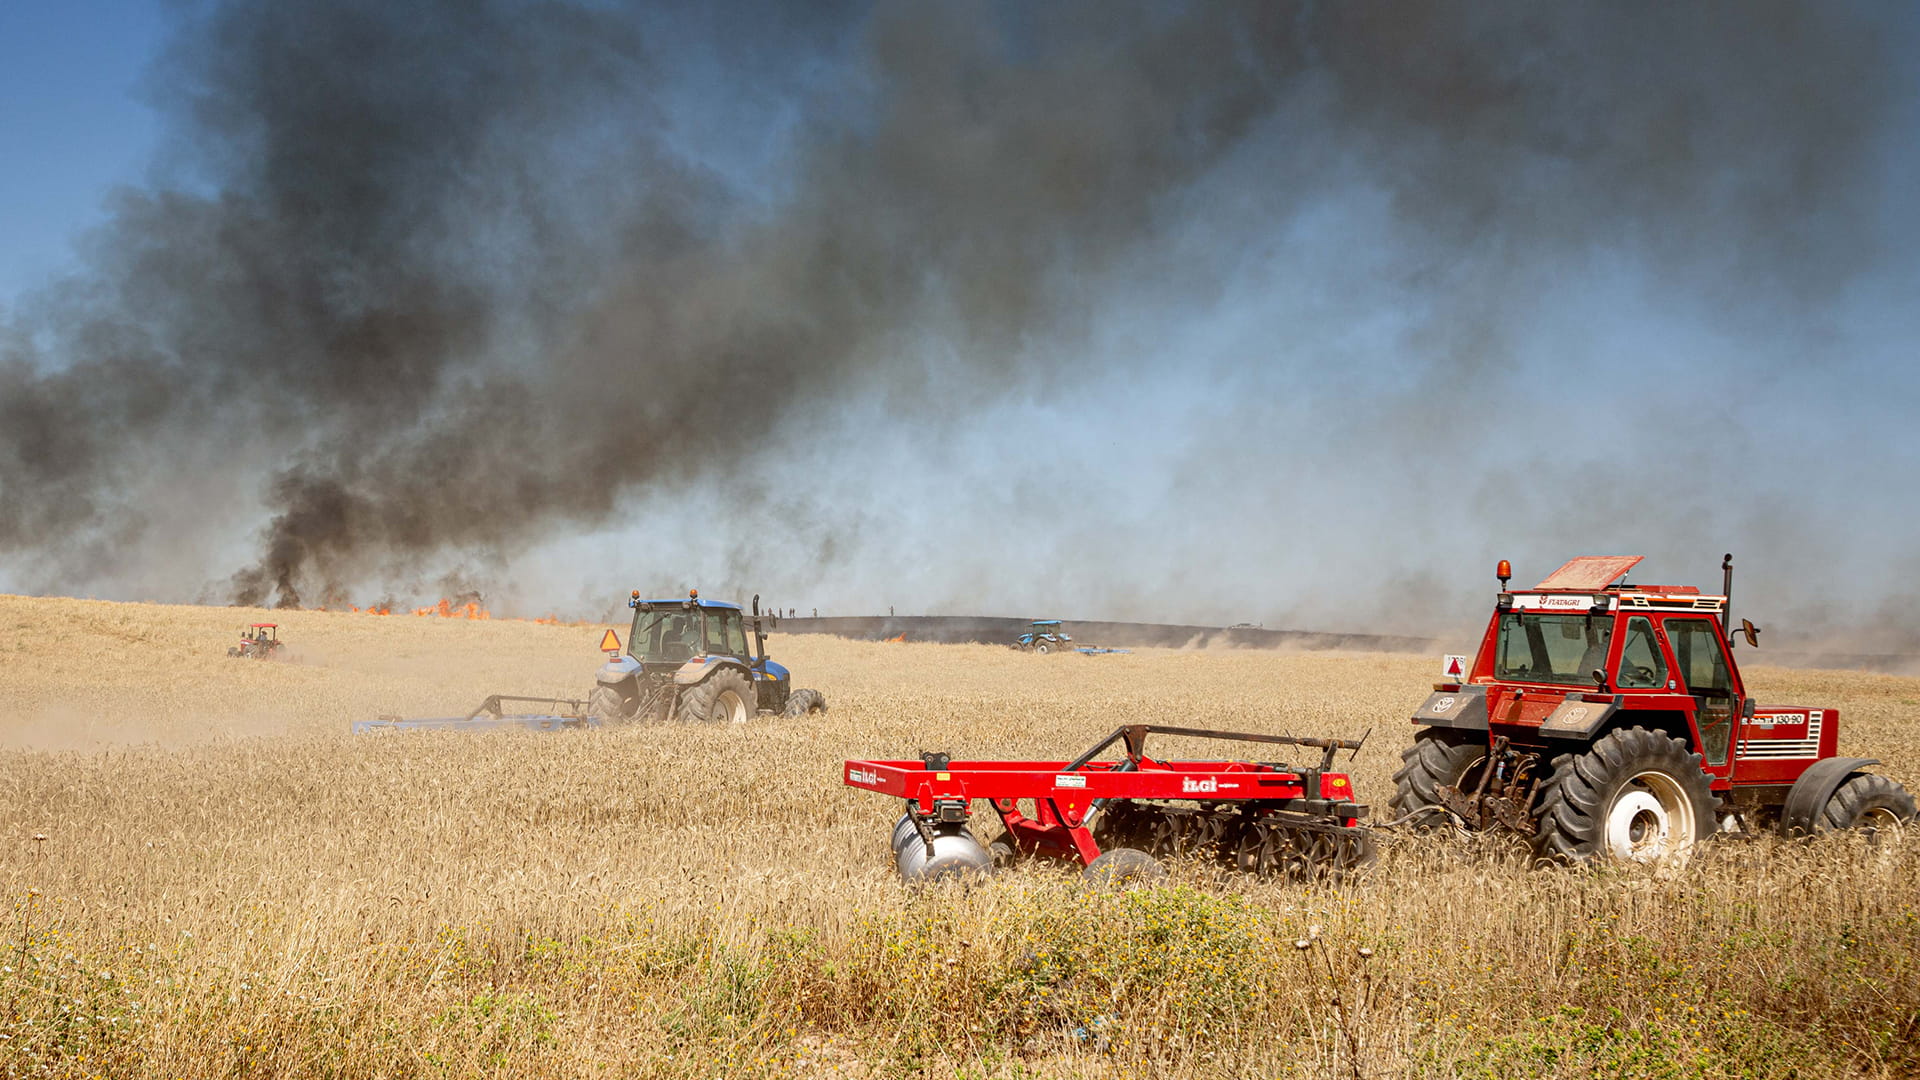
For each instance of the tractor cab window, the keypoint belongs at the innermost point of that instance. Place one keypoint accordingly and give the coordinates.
(667, 634)
(1641, 665)
(725, 633)
(1552, 648)
(1696, 649)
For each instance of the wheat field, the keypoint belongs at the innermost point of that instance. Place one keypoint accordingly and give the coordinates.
(206, 875)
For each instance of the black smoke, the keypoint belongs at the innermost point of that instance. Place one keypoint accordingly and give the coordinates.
(436, 280)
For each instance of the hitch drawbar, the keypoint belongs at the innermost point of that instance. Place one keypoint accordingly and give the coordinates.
(1265, 818)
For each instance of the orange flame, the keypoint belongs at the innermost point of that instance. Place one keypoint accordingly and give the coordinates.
(447, 609)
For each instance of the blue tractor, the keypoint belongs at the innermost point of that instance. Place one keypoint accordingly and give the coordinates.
(1044, 636)
(688, 659)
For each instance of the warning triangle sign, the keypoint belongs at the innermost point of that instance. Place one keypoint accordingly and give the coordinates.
(610, 642)
(1456, 665)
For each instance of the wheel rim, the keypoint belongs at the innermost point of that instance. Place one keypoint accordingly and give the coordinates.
(732, 709)
(1651, 818)
(1875, 818)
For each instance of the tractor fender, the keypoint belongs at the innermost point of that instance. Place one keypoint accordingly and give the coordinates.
(776, 672)
(617, 670)
(697, 670)
(1809, 794)
(1577, 719)
(1465, 708)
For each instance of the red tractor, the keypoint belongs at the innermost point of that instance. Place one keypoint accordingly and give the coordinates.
(1608, 721)
(260, 641)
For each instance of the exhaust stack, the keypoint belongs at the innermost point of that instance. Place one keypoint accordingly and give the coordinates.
(1726, 589)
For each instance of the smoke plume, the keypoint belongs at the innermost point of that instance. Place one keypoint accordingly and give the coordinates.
(424, 286)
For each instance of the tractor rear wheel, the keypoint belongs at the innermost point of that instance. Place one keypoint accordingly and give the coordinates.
(1439, 757)
(1868, 801)
(1634, 796)
(607, 704)
(724, 698)
(804, 701)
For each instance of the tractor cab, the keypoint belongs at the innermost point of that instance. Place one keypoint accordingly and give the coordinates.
(1583, 647)
(673, 631)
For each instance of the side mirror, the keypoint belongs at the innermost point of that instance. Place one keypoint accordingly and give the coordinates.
(1746, 711)
(1751, 633)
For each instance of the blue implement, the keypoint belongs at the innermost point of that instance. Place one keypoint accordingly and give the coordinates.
(490, 716)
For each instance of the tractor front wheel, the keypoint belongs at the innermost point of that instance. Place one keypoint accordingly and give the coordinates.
(722, 699)
(1634, 796)
(1439, 757)
(803, 702)
(1868, 801)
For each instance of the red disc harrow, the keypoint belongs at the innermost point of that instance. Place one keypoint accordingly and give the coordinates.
(1118, 817)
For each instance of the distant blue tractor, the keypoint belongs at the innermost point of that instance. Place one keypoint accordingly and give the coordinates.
(1045, 636)
(688, 659)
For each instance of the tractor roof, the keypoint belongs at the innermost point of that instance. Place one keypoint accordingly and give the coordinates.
(1602, 573)
(263, 626)
(1590, 573)
(1046, 622)
(697, 602)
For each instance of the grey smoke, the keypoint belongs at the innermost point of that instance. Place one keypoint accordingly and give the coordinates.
(436, 283)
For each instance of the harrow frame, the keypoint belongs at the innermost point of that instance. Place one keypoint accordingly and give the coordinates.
(489, 715)
(1067, 797)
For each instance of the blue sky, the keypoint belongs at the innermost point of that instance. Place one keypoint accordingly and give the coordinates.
(73, 124)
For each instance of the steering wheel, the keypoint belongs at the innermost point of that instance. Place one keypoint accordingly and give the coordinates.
(1643, 675)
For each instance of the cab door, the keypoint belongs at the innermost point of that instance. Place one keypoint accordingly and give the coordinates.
(1700, 662)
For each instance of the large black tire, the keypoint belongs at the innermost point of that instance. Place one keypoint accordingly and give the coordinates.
(608, 705)
(1634, 796)
(1439, 757)
(1123, 868)
(725, 697)
(1867, 801)
(804, 701)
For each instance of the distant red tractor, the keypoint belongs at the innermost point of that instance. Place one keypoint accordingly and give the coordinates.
(1608, 721)
(259, 641)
